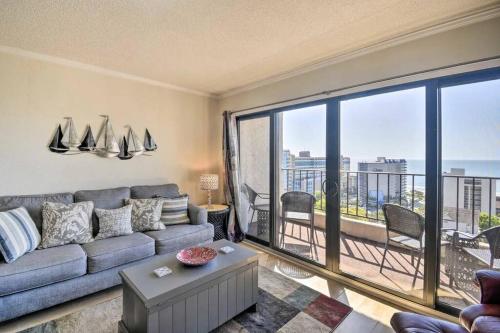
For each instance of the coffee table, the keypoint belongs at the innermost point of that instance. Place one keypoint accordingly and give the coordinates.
(191, 299)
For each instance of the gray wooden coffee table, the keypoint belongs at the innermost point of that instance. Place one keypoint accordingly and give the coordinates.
(191, 299)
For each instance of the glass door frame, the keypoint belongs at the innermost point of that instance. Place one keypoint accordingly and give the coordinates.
(440, 83)
(433, 178)
(246, 117)
(275, 171)
(432, 164)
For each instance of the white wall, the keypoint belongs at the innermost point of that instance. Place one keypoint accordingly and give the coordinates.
(36, 95)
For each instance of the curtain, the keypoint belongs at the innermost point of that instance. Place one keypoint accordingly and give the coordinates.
(237, 221)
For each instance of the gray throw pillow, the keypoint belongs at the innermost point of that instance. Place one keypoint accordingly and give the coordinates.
(175, 210)
(66, 223)
(114, 222)
(146, 214)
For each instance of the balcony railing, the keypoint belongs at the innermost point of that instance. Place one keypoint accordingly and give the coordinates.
(469, 202)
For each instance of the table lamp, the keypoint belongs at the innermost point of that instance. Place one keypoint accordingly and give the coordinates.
(209, 182)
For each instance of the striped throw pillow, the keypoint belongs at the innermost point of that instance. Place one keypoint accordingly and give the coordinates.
(18, 234)
(175, 210)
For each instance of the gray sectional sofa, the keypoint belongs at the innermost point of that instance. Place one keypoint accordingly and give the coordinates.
(44, 278)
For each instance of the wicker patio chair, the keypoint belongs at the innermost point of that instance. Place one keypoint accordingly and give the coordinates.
(485, 255)
(256, 201)
(406, 229)
(298, 208)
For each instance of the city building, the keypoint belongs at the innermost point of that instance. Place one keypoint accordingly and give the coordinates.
(464, 198)
(381, 179)
(305, 172)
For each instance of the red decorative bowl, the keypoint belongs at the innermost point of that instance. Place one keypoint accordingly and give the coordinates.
(196, 256)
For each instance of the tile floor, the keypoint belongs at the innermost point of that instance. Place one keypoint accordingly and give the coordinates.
(368, 315)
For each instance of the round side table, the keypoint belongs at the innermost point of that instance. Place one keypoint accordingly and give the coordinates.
(218, 215)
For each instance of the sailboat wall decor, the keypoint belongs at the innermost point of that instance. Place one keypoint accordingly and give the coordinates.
(124, 152)
(149, 142)
(70, 138)
(135, 147)
(56, 145)
(88, 142)
(105, 145)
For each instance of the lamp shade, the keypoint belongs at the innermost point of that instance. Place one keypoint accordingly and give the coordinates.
(209, 182)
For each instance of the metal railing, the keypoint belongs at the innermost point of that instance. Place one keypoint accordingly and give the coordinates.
(362, 194)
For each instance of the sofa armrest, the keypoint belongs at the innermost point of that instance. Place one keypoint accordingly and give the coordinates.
(197, 214)
(472, 312)
(489, 283)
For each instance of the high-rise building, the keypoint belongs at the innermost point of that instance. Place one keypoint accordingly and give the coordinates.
(381, 179)
(464, 198)
(305, 172)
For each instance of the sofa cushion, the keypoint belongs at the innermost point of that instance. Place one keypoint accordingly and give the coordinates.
(146, 214)
(152, 191)
(42, 267)
(105, 199)
(406, 322)
(469, 315)
(177, 237)
(483, 324)
(18, 234)
(175, 210)
(66, 223)
(114, 222)
(33, 204)
(111, 252)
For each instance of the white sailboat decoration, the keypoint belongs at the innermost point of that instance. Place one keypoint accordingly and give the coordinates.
(135, 147)
(70, 138)
(106, 144)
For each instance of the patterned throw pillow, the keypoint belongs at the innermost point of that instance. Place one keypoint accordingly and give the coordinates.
(114, 222)
(175, 210)
(146, 214)
(18, 234)
(65, 224)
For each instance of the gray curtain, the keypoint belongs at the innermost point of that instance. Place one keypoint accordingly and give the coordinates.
(237, 221)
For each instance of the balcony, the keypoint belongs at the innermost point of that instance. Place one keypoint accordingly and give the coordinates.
(363, 230)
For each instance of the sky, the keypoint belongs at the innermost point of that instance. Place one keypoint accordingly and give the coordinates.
(393, 125)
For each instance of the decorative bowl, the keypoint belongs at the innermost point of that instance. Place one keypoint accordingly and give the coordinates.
(196, 256)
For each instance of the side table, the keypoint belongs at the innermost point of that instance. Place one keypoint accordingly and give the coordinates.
(218, 215)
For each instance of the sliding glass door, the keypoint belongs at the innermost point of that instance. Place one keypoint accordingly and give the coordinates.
(382, 189)
(471, 188)
(396, 187)
(301, 204)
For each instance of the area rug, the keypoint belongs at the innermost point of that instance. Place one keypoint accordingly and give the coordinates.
(284, 305)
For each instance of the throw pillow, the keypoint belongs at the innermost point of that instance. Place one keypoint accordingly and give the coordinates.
(146, 214)
(114, 222)
(175, 210)
(18, 234)
(64, 224)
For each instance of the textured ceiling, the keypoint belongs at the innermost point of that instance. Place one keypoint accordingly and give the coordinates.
(212, 45)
